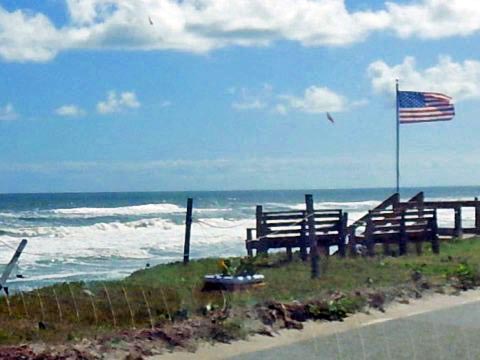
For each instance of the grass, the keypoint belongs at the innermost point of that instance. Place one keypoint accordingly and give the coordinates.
(171, 292)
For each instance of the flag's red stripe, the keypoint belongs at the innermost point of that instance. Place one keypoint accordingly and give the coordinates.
(423, 121)
(427, 118)
(433, 94)
(426, 109)
(431, 116)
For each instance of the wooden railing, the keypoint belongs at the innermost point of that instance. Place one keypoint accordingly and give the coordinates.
(457, 205)
(400, 226)
(289, 230)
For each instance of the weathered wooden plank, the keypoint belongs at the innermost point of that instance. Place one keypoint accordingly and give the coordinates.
(342, 233)
(449, 204)
(435, 242)
(300, 216)
(315, 270)
(298, 224)
(390, 201)
(477, 216)
(458, 222)
(303, 238)
(188, 227)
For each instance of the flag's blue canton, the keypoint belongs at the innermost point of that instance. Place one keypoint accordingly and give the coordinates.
(411, 99)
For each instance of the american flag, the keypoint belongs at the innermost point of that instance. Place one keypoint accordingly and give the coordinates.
(415, 107)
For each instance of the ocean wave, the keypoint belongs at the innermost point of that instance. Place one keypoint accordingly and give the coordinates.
(123, 210)
(129, 240)
(347, 205)
(65, 231)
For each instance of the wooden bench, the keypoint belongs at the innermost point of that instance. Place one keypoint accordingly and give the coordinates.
(398, 227)
(289, 230)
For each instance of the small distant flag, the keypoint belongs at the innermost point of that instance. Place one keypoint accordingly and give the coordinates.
(329, 117)
(415, 107)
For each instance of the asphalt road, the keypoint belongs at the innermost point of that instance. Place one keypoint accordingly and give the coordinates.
(452, 333)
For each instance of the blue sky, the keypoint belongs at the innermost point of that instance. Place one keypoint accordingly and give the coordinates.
(222, 94)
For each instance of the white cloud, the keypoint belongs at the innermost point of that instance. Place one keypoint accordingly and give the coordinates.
(7, 112)
(200, 26)
(461, 80)
(118, 102)
(249, 99)
(28, 37)
(316, 99)
(70, 111)
(434, 19)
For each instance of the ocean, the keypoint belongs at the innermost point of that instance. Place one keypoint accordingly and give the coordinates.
(99, 236)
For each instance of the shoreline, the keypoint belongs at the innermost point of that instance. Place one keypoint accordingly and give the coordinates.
(312, 329)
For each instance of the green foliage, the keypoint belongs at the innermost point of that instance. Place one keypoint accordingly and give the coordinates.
(170, 288)
(237, 266)
(466, 275)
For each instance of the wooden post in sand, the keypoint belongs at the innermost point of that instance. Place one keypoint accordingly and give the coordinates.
(260, 230)
(188, 227)
(458, 231)
(315, 271)
(477, 216)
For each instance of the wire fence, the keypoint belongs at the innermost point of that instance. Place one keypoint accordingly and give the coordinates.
(105, 305)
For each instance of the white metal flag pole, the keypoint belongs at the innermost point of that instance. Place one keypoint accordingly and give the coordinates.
(398, 137)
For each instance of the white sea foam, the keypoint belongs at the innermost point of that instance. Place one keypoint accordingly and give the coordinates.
(123, 210)
(129, 240)
(348, 205)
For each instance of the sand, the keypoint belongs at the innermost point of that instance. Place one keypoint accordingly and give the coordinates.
(315, 329)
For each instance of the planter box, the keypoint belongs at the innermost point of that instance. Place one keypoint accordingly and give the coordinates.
(222, 282)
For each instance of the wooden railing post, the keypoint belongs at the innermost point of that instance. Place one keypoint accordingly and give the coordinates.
(248, 242)
(435, 242)
(261, 248)
(315, 270)
(477, 216)
(289, 253)
(395, 201)
(188, 228)
(458, 231)
(421, 208)
(386, 242)
(342, 232)
(303, 237)
(369, 241)
(402, 241)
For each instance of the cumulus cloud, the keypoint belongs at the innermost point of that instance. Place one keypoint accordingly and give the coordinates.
(7, 112)
(434, 19)
(315, 99)
(69, 111)
(461, 80)
(200, 26)
(118, 102)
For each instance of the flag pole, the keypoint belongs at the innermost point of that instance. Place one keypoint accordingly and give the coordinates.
(398, 138)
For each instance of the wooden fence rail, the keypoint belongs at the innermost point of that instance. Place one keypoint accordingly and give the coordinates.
(389, 223)
(291, 229)
(457, 206)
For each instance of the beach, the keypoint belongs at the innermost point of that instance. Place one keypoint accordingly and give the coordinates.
(105, 236)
